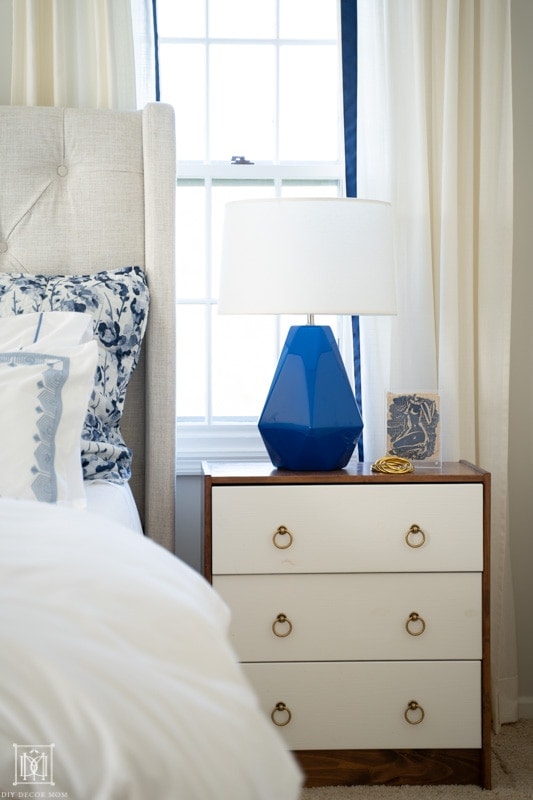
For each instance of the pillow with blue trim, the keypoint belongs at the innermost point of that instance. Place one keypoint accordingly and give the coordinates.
(44, 390)
(118, 301)
(45, 330)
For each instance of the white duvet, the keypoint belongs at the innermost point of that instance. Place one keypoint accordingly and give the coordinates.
(116, 678)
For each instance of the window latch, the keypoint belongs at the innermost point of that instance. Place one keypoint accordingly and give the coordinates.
(240, 160)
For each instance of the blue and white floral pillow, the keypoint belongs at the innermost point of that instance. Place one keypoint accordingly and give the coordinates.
(118, 302)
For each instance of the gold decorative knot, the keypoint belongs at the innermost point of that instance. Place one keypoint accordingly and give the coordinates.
(395, 465)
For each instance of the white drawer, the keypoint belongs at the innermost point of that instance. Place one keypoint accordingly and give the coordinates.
(363, 704)
(347, 528)
(343, 616)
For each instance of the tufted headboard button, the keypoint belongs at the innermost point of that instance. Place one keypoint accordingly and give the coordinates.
(62, 170)
(3, 247)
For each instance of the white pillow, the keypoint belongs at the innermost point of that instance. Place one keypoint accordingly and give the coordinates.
(45, 328)
(44, 390)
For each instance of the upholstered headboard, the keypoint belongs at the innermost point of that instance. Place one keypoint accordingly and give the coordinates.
(85, 190)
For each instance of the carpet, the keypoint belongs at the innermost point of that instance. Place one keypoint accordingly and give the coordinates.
(512, 776)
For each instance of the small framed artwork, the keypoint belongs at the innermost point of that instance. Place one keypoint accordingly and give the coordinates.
(413, 427)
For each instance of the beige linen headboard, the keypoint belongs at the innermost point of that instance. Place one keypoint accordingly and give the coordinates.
(84, 190)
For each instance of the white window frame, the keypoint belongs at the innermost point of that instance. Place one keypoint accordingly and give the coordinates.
(241, 440)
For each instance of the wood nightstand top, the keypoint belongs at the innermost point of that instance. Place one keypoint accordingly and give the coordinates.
(251, 472)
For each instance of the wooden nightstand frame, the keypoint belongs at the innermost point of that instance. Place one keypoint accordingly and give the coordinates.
(390, 767)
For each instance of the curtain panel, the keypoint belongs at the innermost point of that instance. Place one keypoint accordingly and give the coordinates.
(83, 53)
(434, 137)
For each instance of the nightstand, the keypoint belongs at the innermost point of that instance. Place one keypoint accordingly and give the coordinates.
(360, 614)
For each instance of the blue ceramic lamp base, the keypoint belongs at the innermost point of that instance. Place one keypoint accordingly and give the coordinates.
(310, 421)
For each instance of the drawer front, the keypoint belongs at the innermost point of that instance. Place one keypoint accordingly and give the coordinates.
(347, 528)
(367, 704)
(365, 616)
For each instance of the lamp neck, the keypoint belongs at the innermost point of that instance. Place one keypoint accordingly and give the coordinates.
(310, 319)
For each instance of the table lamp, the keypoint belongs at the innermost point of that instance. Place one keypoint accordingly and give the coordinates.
(308, 256)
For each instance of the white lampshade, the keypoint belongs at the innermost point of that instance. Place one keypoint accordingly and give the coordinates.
(307, 256)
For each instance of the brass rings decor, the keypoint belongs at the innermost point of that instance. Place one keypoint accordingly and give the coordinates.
(414, 714)
(282, 626)
(393, 465)
(279, 541)
(286, 717)
(415, 625)
(415, 536)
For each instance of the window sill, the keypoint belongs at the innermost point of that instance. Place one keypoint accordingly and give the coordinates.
(197, 443)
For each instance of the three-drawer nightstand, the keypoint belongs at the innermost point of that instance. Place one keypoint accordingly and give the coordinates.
(360, 614)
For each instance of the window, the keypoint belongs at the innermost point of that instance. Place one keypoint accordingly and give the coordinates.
(264, 88)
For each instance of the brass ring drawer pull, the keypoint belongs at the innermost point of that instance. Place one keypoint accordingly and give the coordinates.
(278, 539)
(286, 717)
(415, 625)
(282, 626)
(414, 714)
(415, 536)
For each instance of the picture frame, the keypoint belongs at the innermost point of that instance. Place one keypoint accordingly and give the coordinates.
(413, 427)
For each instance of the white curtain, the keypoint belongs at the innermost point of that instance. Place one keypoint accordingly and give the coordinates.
(144, 44)
(435, 138)
(92, 53)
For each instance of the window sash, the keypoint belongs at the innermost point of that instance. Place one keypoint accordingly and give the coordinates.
(210, 437)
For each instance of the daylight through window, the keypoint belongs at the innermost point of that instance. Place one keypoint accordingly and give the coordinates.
(262, 88)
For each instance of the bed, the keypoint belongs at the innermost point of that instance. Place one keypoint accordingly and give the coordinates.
(117, 677)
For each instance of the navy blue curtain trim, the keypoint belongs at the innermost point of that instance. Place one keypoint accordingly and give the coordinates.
(356, 338)
(156, 51)
(349, 90)
(349, 95)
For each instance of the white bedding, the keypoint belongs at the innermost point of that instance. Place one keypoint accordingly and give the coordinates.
(114, 501)
(115, 652)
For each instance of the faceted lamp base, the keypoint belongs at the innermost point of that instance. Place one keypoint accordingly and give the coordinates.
(310, 420)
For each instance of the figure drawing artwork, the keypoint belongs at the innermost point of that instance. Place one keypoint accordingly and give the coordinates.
(413, 426)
